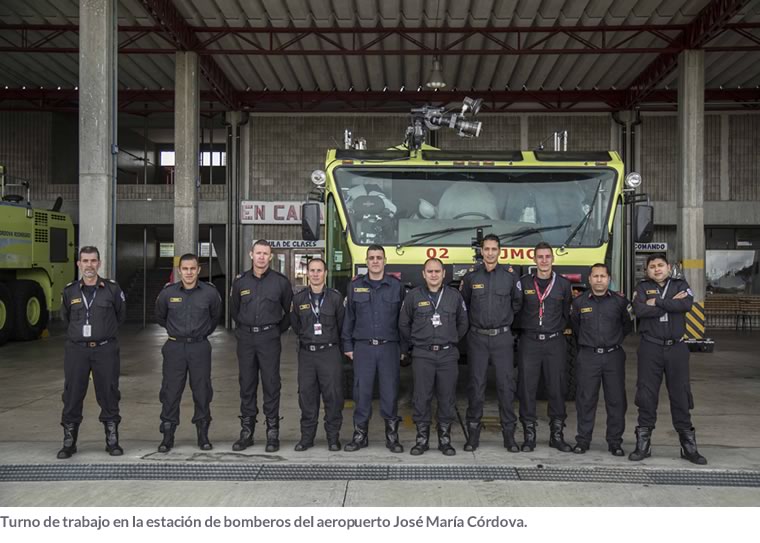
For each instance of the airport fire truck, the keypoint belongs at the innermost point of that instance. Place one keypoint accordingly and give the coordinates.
(36, 261)
(418, 201)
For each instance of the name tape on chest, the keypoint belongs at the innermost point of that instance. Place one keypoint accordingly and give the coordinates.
(653, 292)
(361, 289)
(76, 301)
(478, 285)
(175, 300)
(245, 292)
(423, 303)
(530, 291)
(587, 309)
(304, 306)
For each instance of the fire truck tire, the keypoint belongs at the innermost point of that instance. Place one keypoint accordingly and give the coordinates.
(30, 308)
(7, 315)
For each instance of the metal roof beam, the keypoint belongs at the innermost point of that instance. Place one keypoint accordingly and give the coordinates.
(184, 37)
(506, 40)
(379, 101)
(709, 23)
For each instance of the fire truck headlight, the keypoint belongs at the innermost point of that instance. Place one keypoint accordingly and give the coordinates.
(318, 177)
(633, 180)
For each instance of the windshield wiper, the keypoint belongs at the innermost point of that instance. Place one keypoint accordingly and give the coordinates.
(528, 231)
(416, 238)
(585, 218)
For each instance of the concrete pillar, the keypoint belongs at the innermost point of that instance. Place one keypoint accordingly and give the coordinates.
(186, 152)
(97, 128)
(691, 122)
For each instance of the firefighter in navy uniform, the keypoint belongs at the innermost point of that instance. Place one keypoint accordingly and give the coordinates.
(93, 309)
(600, 320)
(190, 311)
(492, 298)
(660, 303)
(370, 339)
(260, 305)
(542, 350)
(433, 319)
(317, 319)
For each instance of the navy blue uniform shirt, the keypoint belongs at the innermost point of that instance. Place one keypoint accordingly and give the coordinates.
(372, 310)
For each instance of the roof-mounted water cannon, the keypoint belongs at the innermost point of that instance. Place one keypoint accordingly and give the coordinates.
(428, 118)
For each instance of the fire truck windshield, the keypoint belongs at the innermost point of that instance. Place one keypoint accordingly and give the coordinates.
(389, 206)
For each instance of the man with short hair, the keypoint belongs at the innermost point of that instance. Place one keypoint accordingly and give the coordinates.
(190, 311)
(93, 309)
(600, 319)
(260, 302)
(542, 320)
(492, 298)
(371, 340)
(661, 303)
(433, 320)
(317, 318)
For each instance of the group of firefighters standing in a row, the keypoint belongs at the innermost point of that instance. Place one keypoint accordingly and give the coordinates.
(376, 326)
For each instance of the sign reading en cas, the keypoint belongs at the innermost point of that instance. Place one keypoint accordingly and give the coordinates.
(259, 212)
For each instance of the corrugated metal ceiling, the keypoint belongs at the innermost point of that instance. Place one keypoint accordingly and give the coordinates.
(376, 71)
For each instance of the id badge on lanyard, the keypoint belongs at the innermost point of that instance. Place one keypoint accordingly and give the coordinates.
(87, 328)
(664, 318)
(317, 311)
(543, 296)
(436, 318)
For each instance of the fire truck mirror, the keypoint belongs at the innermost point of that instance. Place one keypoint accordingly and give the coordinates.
(644, 223)
(310, 221)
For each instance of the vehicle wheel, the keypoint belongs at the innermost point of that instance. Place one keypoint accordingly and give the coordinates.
(6, 315)
(30, 310)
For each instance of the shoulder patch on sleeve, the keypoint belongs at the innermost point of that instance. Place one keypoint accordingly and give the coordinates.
(519, 285)
(71, 283)
(123, 298)
(689, 292)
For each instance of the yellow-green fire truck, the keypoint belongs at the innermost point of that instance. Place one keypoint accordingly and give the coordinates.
(36, 262)
(418, 202)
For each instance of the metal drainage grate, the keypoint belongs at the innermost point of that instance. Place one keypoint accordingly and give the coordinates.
(364, 472)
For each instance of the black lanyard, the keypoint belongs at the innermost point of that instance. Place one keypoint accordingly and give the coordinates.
(318, 308)
(88, 305)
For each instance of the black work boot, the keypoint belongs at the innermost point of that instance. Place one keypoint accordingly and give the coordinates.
(556, 436)
(359, 440)
(421, 442)
(643, 444)
(247, 425)
(167, 442)
(473, 436)
(203, 443)
(70, 434)
(689, 450)
(508, 432)
(112, 438)
(616, 449)
(529, 436)
(333, 442)
(306, 441)
(391, 437)
(444, 440)
(273, 435)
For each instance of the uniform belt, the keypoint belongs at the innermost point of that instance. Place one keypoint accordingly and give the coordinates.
(187, 339)
(374, 341)
(257, 329)
(313, 347)
(92, 344)
(544, 337)
(602, 350)
(437, 347)
(665, 342)
(491, 331)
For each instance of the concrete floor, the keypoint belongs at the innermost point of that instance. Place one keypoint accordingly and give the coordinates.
(725, 384)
